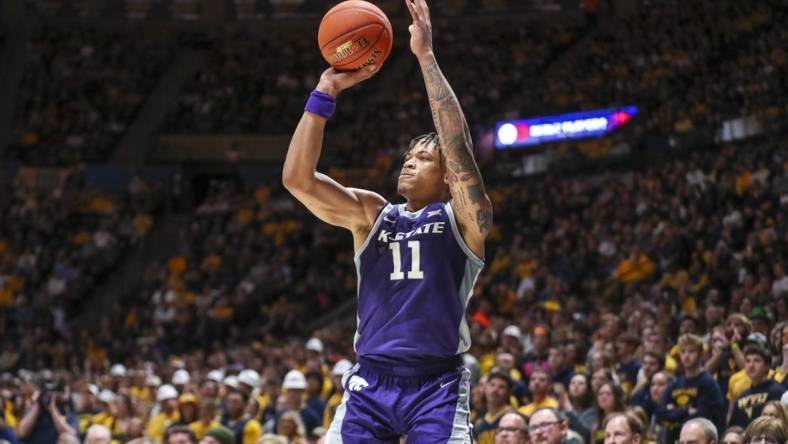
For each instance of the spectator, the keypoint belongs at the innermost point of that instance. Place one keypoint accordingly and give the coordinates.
(733, 435)
(539, 387)
(578, 402)
(314, 391)
(167, 397)
(206, 418)
(98, 434)
(778, 410)
(245, 429)
(699, 430)
(628, 363)
(187, 409)
(623, 428)
(179, 434)
(512, 429)
(295, 384)
(609, 400)
(47, 417)
(291, 427)
(497, 391)
(751, 402)
(549, 426)
(641, 395)
(691, 395)
(766, 430)
(218, 435)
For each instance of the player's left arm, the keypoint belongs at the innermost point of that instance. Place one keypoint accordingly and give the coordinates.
(472, 207)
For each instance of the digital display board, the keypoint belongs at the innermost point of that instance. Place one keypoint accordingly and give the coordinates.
(538, 130)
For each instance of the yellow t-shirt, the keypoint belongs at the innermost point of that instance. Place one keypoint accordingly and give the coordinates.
(10, 419)
(140, 393)
(200, 429)
(158, 424)
(104, 419)
(529, 409)
(739, 382)
(251, 432)
(779, 375)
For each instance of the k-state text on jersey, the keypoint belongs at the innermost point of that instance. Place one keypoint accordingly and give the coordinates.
(430, 228)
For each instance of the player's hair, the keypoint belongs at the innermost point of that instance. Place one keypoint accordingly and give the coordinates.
(427, 138)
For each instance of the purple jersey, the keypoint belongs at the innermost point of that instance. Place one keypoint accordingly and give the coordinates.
(415, 278)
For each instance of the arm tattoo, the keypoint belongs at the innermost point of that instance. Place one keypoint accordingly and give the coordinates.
(457, 145)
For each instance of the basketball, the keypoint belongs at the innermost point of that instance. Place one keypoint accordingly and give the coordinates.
(354, 34)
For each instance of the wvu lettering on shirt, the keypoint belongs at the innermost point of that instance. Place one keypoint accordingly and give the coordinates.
(684, 396)
(747, 403)
(430, 228)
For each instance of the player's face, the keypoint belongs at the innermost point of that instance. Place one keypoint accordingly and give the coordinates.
(422, 175)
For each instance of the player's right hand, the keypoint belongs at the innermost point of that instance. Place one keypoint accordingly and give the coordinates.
(333, 82)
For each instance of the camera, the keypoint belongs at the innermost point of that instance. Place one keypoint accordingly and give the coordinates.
(46, 391)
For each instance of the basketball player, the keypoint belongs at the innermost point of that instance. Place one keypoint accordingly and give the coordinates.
(416, 263)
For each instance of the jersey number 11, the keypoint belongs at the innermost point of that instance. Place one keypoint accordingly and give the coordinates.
(415, 261)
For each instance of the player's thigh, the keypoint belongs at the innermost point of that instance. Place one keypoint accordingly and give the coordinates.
(361, 417)
(443, 413)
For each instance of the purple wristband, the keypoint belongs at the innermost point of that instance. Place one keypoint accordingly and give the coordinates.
(321, 104)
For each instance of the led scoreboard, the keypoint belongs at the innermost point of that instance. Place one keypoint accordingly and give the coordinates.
(538, 130)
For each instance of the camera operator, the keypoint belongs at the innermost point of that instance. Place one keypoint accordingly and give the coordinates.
(47, 417)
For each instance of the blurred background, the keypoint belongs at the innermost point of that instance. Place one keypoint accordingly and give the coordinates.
(154, 273)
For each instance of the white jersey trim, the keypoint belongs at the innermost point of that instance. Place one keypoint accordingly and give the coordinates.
(372, 231)
(458, 237)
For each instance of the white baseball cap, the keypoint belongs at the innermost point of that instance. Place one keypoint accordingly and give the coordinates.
(118, 370)
(314, 344)
(180, 377)
(215, 375)
(341, 367)
(106, 396)
(231, 381)
(294, 379)
(153, 381)
(93, 389)
(249, 377)
(166, 392)
(513, 331)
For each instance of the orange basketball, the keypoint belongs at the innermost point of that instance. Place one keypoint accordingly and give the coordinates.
(354, 34)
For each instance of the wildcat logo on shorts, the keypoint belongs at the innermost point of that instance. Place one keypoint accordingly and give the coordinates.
(357, 383)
